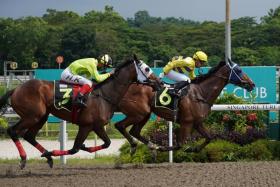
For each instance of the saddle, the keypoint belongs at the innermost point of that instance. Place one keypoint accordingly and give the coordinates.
(64, 95)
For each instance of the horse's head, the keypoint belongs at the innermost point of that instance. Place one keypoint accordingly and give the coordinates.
(145, 74)
(136, 71)
(238, 77)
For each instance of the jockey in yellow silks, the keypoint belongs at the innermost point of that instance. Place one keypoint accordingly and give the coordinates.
(182, 69)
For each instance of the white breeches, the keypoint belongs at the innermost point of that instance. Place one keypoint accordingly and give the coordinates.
(175, 76)
(67, 76)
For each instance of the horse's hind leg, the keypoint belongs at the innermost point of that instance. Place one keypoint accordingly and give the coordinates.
(121, 126)
(30, 136)
(13, 133)
(101, 133)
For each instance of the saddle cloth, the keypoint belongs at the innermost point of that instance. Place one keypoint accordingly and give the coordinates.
(64, 94)
(165, 99)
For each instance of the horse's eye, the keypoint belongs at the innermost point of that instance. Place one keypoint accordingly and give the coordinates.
(147, 69)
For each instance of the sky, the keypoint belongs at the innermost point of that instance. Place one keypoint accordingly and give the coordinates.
(196, 10)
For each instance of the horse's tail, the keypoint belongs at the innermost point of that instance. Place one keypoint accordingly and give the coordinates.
(4, 99)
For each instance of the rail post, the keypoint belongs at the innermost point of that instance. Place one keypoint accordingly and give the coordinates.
(170, 132)
(63, 139)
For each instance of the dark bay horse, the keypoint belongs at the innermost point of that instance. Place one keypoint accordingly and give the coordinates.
(33, 102)
(193, 108)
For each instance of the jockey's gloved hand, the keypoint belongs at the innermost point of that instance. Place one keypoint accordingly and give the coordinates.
(161, 75)
(112, 71)
(188, 80)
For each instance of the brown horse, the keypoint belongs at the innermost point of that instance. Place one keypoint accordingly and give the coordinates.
(33, 102)
(193, 107)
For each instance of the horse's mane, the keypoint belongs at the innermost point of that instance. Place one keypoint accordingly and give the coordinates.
(214, 69)
(118, 67)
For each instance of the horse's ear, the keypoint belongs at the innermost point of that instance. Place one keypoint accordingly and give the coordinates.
(135, 58)
(229, 62)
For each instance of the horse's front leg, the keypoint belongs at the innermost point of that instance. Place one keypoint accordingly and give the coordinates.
(83, 133)
(183, 133)
(121, 126)
(101, 133)
(204, 132)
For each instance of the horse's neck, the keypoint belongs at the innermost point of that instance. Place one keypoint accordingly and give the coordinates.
(211, 88)
(114, 90)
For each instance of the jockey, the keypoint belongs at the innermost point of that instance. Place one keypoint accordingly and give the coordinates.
(178, 68)
(82, 70)
(182, 69)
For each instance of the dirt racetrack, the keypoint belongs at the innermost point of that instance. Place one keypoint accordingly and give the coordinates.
(185, 174)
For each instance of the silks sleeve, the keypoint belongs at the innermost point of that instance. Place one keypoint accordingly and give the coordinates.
(174, 64)
(92, 68)
(99, 77)
(192, 75)
(169, 66)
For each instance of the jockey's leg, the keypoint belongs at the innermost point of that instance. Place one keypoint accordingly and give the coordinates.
(85, 89)
(79, 99)
(69, 77)
(177, 77)
(101, 133)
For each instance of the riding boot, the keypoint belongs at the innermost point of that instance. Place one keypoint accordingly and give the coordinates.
(85, 89)
(177, 89)
(174, 92)
(80, 101)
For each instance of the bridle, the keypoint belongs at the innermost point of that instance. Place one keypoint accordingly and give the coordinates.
(231, 74)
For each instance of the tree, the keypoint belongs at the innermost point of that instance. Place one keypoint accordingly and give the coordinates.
(60, 18)
(49, 47)
(23, 37)
(273, 14)
(245, 57)
(269, 55)
(78, 41)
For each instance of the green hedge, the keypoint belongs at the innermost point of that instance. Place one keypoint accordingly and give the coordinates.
(216, 151)
(3, 127)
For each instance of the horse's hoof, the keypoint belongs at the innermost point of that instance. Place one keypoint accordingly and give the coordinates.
(50, 162)
(83, 147)
(162, 148)
(132, 151)
(22, 164)
(154, 155)
(46, 154)
(192, 150)
(189, 149)
(152, 146)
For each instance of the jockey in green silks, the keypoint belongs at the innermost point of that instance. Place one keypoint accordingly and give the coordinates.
(82, 70)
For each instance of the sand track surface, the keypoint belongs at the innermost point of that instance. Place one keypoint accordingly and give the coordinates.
(183, 174)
